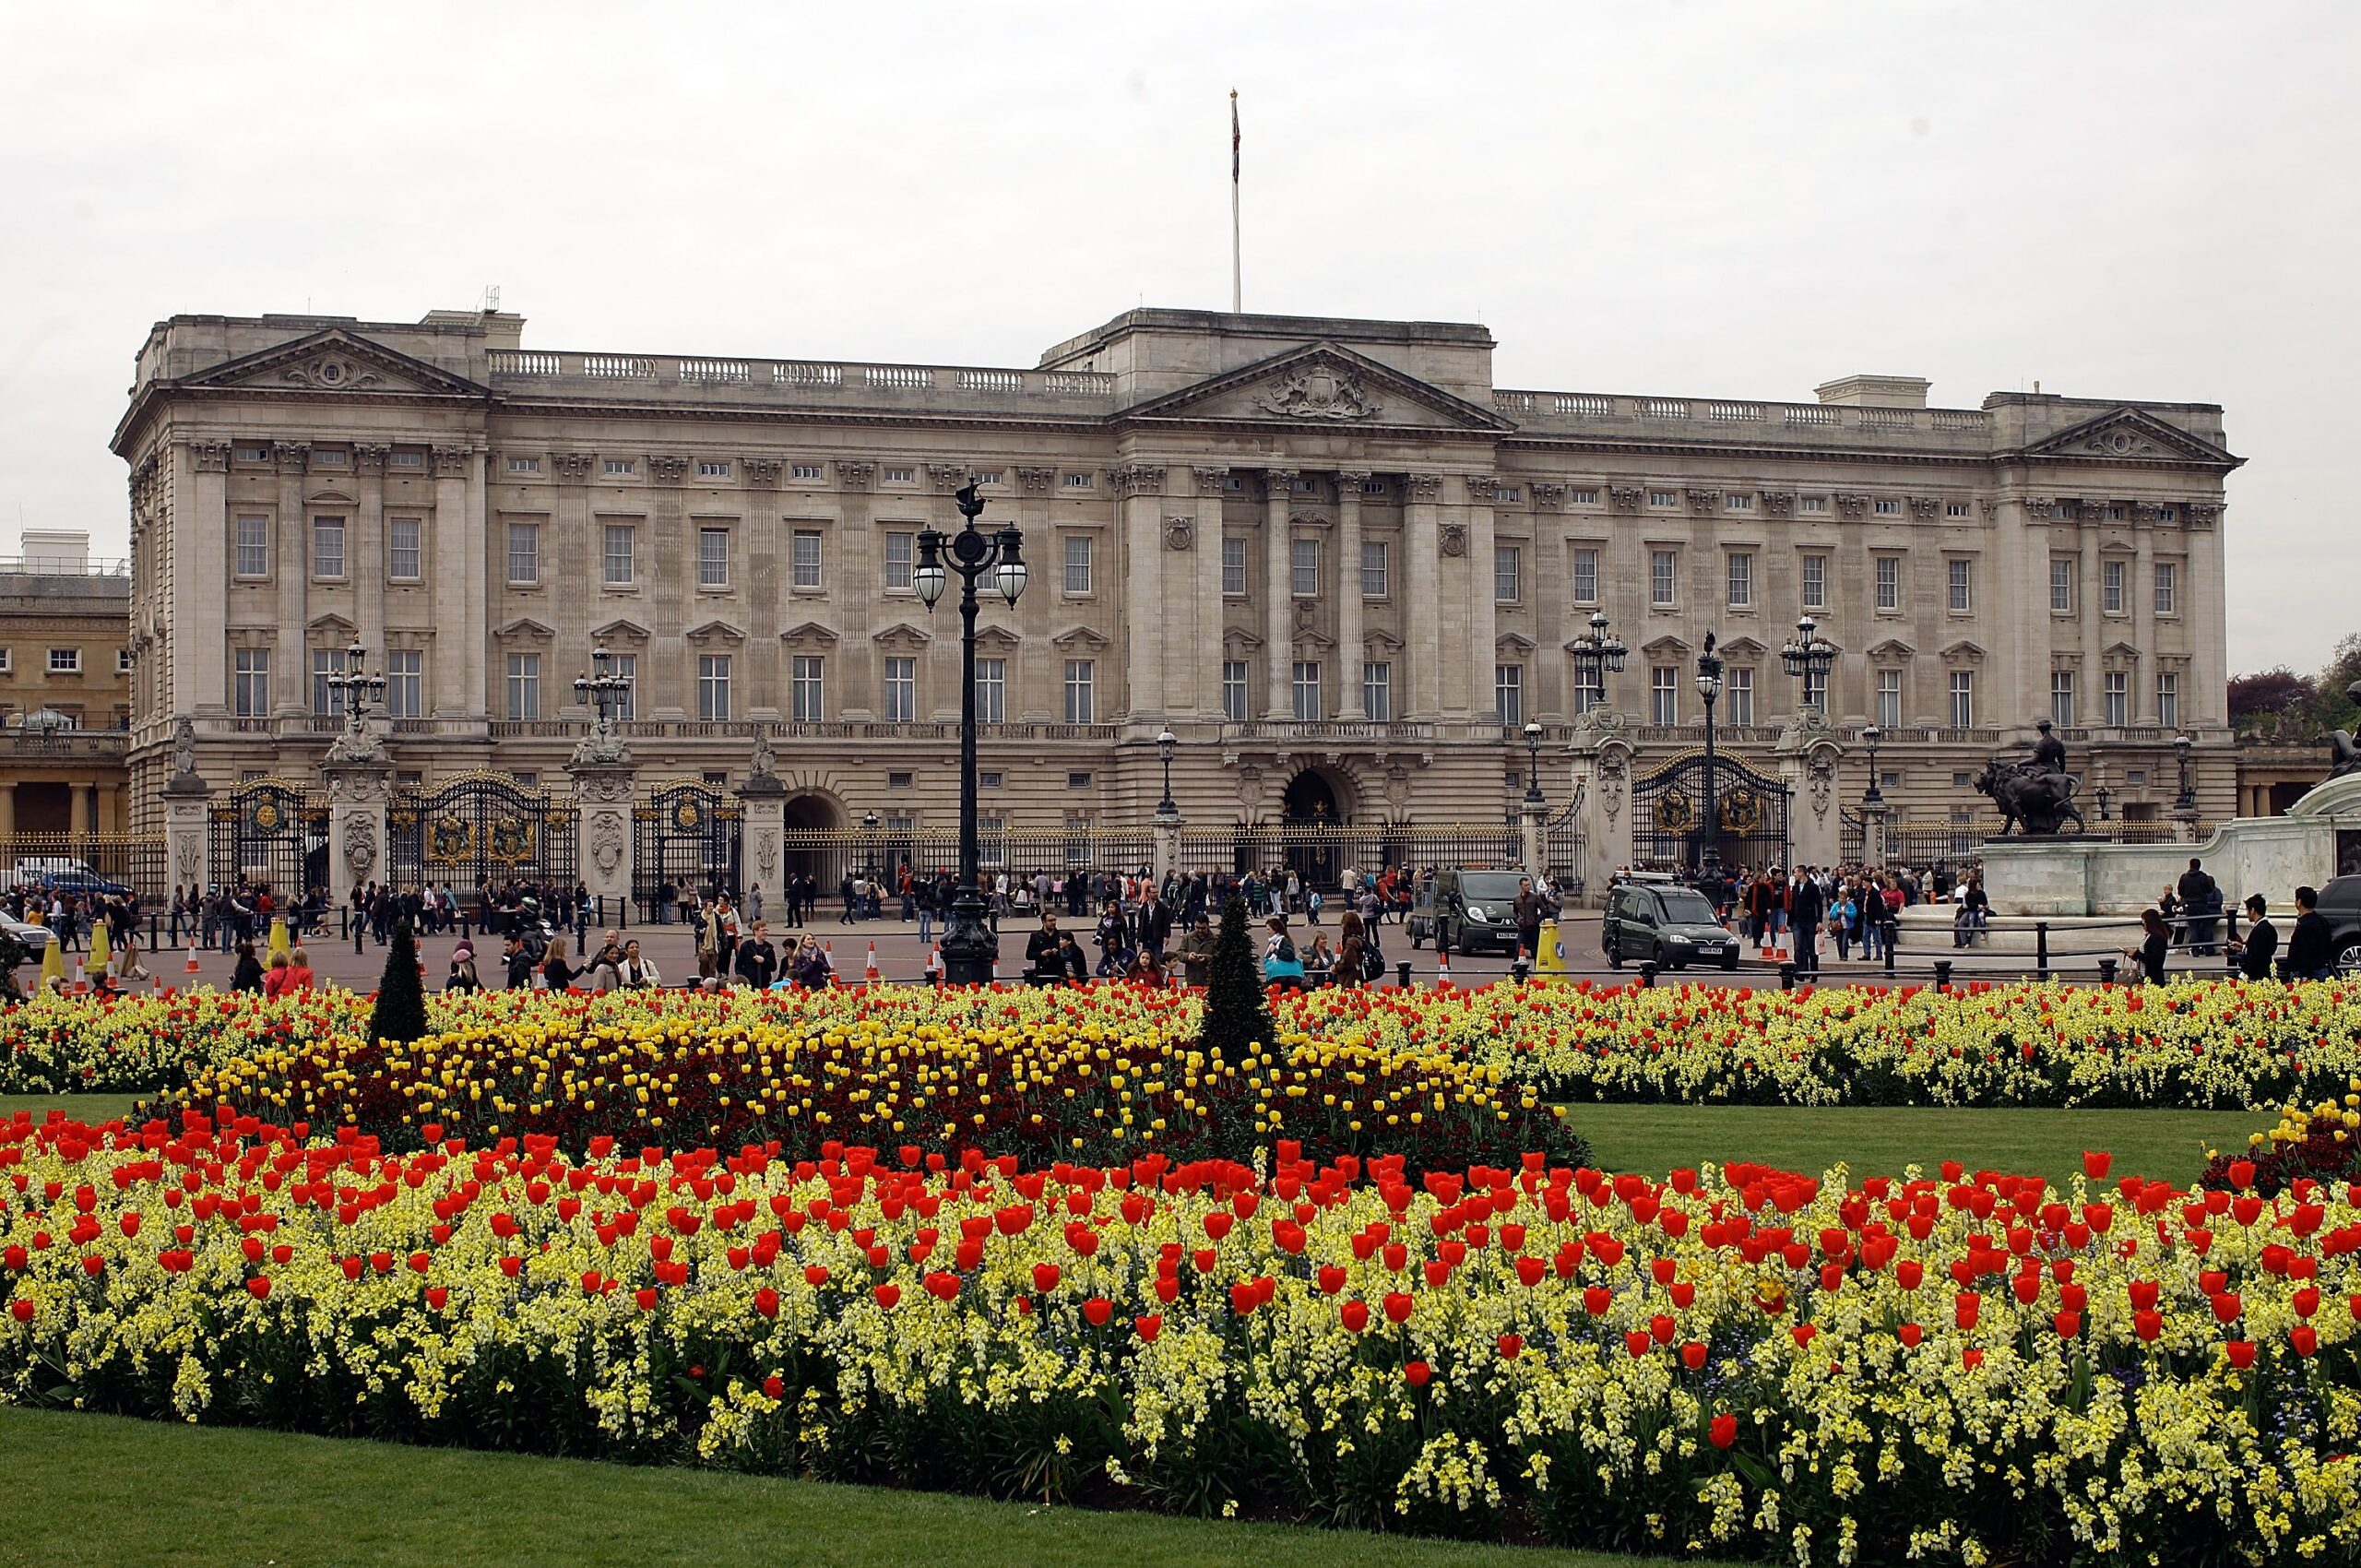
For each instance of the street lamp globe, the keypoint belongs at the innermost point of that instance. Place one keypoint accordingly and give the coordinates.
(1012, 575)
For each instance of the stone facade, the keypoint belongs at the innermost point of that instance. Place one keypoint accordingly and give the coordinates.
(65, 692)
(1326, 554)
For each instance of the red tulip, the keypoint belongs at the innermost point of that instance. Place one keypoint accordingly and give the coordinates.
(817, 1276)
(2242, 1173)
(21, 1310)
(1692, 1356)
(2147, 1325)
(1398, 1306)
(1723, 1431)
(2143, 1293)
(1910, 1273)
(258, 1288)
(1355, 1315)
(1148, 1327)
(1416, 1373)
(2097, 1164)
(1046, 1277)
(436, 1296)
(1512, 1347)
(645, 1297)
(1965, 1308)
(1910, 1334)
(773, 1386)
(2227, 1306)
(1332, 1279)
(1971, 1360)
(2241, 1352)
(2069, 1324)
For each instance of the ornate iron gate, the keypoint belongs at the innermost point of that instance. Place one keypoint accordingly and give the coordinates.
(270, 831)
(481, 828)
(688, 834)
(1669, 830)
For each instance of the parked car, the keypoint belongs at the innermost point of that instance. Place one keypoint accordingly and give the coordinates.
(2340, 907)
(85, 885)
(1469, 911)
(1665, 924)
(36, 938)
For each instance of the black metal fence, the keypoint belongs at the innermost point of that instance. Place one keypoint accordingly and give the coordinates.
(480, 827)
(126, 859)
(270, 832)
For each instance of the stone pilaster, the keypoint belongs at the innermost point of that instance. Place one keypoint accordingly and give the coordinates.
(1278, 621)
(603, 798)
(1600, 782)
(1482, 612)
(1808, 751)
(1167, 828)
(291, 572)
(1421, 546)
(1350, 619)
(357, 794)
(763, 851)
(188, 845)
(1532, 813)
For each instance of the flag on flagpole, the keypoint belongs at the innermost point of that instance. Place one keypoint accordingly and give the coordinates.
(1233, 135)
(1237, 273)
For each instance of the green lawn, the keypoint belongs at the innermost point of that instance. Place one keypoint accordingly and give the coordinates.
(106, 1491)
(1656, 1138)
(1653, 1139)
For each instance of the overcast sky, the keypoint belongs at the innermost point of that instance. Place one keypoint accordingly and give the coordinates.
(2122, 200)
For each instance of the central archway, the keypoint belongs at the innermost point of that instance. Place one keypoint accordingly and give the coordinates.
(1312, 810)
(817, 841)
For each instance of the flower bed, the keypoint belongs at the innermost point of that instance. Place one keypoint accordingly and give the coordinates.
(1093, 1076)
(1962, 1368)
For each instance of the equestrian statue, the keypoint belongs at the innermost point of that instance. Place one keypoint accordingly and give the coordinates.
(2036, 793)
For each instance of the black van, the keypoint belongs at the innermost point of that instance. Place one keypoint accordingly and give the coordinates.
(1467, 911)
(1665, 924)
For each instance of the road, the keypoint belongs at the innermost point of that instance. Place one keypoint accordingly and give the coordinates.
(901, 957)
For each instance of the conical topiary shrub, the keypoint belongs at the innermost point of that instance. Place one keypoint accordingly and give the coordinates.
(1235, 1015)
(400, 1016)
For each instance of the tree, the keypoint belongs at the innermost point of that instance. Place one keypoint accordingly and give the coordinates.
(1234, 1015)
(400, 1015)
(2330, 708)
(2268, 700)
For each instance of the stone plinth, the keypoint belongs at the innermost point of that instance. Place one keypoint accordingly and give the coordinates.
(188, 845)
(602, 791)
(357, 794)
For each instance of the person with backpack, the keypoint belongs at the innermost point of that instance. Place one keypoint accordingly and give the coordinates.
(1281, 965)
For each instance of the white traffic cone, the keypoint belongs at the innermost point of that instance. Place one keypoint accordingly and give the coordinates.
(1443, 968)
(868, 975)
(190, 968)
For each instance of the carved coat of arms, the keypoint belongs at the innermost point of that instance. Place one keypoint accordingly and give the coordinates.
(1319, 391)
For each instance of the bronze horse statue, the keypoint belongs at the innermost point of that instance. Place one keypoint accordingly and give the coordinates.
(2041, 802)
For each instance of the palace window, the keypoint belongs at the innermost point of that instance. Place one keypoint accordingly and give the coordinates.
(1233, 689)
(901, 476)
(1585, 576)
(524, 554)
(992, 690)
(1303, 568)
(1583, 497)
(1507, 573)
(1742, 579)
(901, 553)
(2062, 585)
(1663, 693)
(524, 465)
(1889, 700)
(1815, 582)
(1740, 696)
(1811, 503)
(1233, 567)
(405, 537)
(250, 688)
(901, 689)
(1816, 690)
(1078, 563)
(1082, 679)
(2168, 700)
(1888, 569)
(524, 685)
(327, 547)
(1077, 481)
(1663, 498)
(1963, 700)
(2115, 699)
(1954, 508)
(713, 558)
(2167, 588)
(809, 688)
(617, 572)
(2111, 586)
(1377, 689)
(1888, 506)
(627, 702)
(1663, 573)
(254, 546)
(809, 471)
(1376, 560)
(1960, 583)
(1306, 686)
(1507, 694)
(708, 468)
(1738, 500)
(2061, 699)
(405, 683)
(1590, 687)
(713, 687)
(65, 661)
(619, 467)
(328, 700)
(805, 570)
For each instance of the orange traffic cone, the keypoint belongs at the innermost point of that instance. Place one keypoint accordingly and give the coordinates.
(934, 962)
(868, 975)
(1443, 968)
(190, 968)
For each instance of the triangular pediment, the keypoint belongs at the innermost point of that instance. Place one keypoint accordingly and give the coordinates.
(1236, 639)
(1513, 642)
(1892, 648)
(1972, 652)
(331, 625)
(619, 630)
(901, 633)
(523, 626)
(336, 361)
(1742, 647)
(1382, 641)
(2131, 435)
(1665, 646)
(810, 633)
(706, 631)
(1080, 636)
(2118, 650)
(1321, 386)
(996, 636)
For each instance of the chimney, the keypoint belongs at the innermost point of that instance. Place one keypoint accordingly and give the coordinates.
(1875, 391)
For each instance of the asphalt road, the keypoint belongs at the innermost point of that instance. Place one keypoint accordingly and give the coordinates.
(901, 957)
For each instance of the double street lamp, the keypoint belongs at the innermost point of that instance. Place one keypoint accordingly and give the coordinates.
(357, 690)
(1598, 654)
(1872, 796)
(1808, 656)
(605, 692)
(968, 945)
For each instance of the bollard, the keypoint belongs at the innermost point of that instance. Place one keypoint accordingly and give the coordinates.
(1893, 939)
(2041, 951)
(2107, 971)
(1520, 969)
(1401, 975)
(1788, 976)
(1943, 974)
(2229, 947)
(466, 930)
(344, 922)
(1649, 975)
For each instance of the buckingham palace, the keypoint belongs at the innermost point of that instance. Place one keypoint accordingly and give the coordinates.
(1341, 568)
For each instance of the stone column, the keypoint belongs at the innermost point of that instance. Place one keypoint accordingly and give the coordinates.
(78, 808)
(457, 574)
(7, 810)
(357, 792)
(763, 846)
(199, 571)
(364, 565)
(1531, 817)
(603, 798)
(1422, 651)
(1873, 820)
(1202, 656)
(1278, 621)
(292, 568)
(2139, 702)
(1350, 621)
(1139, 555)
(1600, 782)
(188, 848)
(1166, 827)
(1808, 751)
(1482, 607)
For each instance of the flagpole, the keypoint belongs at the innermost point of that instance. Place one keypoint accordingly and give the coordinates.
(1237, 277)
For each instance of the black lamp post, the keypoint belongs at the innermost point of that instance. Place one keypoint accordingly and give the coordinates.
(1709, 687)
(359, 690)
(968, 945)
(1807, 657)
(1598, 654)
(1874, 796)
(1166, 741)
(869, 852)
(2187, 800)
(2103, 799)
(1533, 763)
(604, 691)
